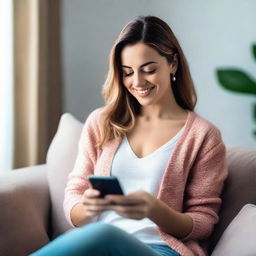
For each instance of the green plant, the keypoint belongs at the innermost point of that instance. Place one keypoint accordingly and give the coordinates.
(238, 81)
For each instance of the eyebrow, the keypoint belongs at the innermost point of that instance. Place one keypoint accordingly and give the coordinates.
(143, 65)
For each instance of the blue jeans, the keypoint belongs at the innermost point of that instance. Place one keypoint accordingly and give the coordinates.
(100, 239)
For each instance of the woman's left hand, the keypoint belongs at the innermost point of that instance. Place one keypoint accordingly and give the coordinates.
(137, 205)
(141, 204)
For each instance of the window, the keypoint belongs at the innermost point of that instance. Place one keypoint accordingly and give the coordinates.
(6, 85)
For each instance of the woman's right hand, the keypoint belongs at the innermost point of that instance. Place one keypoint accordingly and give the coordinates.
(93, 204)
(90, 207)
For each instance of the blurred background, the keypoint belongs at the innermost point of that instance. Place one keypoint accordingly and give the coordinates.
(54, 59)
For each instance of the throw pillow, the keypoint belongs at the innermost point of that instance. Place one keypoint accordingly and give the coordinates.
(239, 238)
(60, 161)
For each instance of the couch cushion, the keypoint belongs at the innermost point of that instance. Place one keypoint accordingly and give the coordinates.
(60, 160)
(24, 210)
(239, 237)
(240, 187)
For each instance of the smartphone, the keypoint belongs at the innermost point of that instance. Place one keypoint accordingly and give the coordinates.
(106, 185)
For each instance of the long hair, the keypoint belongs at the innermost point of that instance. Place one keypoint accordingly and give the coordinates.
(121, 108)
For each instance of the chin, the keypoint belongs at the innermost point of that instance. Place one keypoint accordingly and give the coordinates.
(145, 103)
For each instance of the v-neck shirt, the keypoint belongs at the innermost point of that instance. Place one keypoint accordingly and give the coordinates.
(134, 174)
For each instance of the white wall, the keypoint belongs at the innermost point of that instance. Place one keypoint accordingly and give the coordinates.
(212, 33)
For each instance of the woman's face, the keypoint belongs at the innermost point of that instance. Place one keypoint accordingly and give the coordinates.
(146, 74)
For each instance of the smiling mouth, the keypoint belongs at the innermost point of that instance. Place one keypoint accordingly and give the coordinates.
(144, 92)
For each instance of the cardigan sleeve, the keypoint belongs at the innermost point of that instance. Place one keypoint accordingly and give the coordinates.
(205, 184)
(84, 165)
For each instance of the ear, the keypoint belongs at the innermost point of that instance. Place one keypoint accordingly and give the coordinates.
(174, 64)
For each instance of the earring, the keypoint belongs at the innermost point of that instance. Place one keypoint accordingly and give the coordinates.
(173, 77)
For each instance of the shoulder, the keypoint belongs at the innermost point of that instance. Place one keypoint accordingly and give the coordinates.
(94, 116)
(203, 140)
(200, 134)
(92, 123)
(204, 128)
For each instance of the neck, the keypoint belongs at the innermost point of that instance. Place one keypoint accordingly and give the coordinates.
(165, 110)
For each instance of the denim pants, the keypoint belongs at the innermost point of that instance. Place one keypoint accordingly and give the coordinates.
(100, 239)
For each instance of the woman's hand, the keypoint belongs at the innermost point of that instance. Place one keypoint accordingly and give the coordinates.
(137, 205)
(93, 204)
(141, 204)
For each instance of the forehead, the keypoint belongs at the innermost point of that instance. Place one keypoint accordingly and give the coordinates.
(139, 53)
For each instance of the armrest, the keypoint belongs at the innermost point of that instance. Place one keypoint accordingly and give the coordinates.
(24, 204)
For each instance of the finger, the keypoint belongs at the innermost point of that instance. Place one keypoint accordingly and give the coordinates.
(131, 215)
(93, 213)
(127, 208)
(92, 210)
(97, 208)
(91, 193)
(95, 201)
(124, 200)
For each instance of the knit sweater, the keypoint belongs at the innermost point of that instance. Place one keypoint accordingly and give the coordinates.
(192, 181)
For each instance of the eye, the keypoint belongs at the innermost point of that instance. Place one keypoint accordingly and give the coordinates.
(150, 71)
(127, 74)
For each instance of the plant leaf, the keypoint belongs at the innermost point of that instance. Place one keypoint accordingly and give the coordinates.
(254, 117)
(254, 112)
(254, 51)
(236, 80)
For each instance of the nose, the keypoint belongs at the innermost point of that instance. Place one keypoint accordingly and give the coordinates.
(138, 80)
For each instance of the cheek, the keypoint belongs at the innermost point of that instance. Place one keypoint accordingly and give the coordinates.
(155, 80)
(158, 78)
(126, 83)
(165, 79)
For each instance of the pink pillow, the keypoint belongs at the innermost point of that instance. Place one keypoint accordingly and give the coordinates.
(239, 238)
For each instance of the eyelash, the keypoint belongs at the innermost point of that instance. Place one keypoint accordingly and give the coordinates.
(147, 72)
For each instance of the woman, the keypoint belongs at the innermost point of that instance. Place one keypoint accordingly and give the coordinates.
(170, 161)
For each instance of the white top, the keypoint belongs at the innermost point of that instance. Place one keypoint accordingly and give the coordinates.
(139, 174)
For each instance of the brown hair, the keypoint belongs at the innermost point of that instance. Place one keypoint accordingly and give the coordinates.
(121, 107)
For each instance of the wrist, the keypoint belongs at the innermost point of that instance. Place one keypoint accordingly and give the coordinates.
(79, 216)
(154, 206)
(170, 221)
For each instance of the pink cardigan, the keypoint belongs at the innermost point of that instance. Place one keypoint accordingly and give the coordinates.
(192, 182)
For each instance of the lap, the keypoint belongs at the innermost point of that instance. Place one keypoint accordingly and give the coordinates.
(100, 239)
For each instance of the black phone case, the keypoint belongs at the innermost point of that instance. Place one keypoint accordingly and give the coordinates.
(106, 185)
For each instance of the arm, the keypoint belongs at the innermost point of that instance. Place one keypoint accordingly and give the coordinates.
(89, 208)
(179, 226)
(79, 215)
(77, 180)
(205, 183)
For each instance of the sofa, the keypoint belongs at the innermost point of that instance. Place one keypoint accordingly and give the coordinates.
(31, 212)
